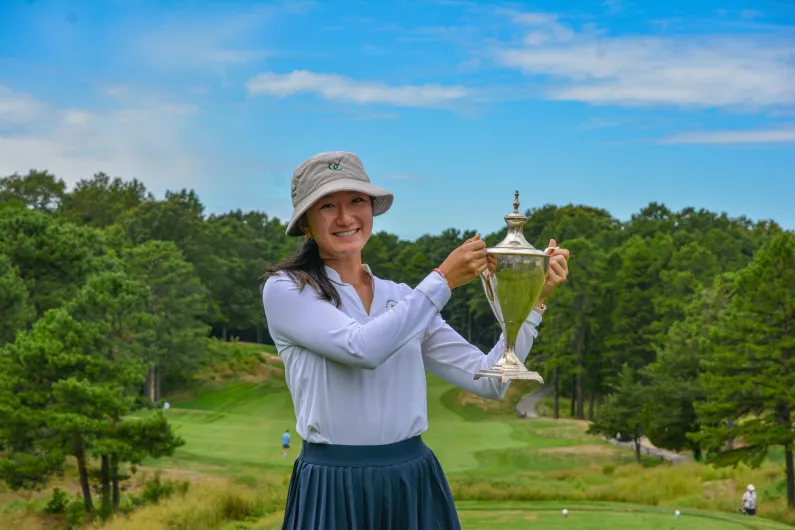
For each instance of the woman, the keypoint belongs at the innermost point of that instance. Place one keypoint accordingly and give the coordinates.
(355, 349)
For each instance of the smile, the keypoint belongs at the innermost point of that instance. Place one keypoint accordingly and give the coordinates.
(346, 234)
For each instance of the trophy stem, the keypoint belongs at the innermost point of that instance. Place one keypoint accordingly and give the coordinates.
(509, 359)
(509, 367)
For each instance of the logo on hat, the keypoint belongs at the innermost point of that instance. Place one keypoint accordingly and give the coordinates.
(334, 166)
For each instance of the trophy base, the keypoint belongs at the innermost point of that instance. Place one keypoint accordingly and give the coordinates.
(508, 374)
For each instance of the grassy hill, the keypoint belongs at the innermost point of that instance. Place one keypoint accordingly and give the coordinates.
(233, 428)
(505, 472)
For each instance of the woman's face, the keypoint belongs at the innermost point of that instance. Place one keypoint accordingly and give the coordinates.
(340, 223)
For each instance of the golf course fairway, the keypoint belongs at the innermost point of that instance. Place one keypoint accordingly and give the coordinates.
(505, 472)
(584, 516)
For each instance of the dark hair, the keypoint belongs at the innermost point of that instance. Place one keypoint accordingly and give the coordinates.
(307, 267)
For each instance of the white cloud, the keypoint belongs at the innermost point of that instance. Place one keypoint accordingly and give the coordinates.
(747, 136)
(205, 40)
(143, 142)
(749, 71)
(18, 109)
(542, 27)
(339, 88)
(614, 6)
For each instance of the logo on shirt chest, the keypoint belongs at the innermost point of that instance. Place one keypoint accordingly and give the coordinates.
(391, 303)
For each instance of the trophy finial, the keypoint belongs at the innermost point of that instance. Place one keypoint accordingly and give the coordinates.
(515, 221)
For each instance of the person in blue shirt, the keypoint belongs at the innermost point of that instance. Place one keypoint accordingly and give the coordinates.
(356, 348)
(285, 443)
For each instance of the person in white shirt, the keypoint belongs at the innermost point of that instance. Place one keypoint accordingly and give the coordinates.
(355, 349)
(749, 500)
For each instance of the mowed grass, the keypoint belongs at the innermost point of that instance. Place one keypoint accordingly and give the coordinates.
(583, 516)
(234, 429)
(234, 426)
(505, 472)
(598, 516)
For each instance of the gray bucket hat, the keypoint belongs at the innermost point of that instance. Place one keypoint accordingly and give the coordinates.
(327, 173)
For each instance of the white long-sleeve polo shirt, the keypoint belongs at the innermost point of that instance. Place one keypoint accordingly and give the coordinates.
(359, 379)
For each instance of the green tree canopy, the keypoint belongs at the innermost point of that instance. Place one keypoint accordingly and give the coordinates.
(749, 380)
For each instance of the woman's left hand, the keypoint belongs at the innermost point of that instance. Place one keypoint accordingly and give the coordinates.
(557, 272)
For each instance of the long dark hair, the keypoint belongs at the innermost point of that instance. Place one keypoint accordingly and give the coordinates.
(307, 267)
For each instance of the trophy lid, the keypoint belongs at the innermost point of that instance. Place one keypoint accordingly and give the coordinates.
(514, 241)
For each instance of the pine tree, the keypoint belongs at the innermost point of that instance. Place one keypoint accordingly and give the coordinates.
(749, 380)
(68, 384)
(624, 414)
(675, 384)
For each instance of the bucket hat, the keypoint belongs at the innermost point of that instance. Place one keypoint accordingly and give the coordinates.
(327, 173)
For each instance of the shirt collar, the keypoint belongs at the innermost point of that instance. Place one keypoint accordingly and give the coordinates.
(334, 276)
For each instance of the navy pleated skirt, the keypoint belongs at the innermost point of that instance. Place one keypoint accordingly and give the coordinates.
(398, 486)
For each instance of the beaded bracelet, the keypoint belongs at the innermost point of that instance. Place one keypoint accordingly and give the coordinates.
(440, 273)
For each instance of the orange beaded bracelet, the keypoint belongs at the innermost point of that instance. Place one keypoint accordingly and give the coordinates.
(440, 273)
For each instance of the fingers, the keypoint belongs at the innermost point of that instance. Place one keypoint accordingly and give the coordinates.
(561, 252)
(558, 270)
(552, 274)
(553, 250)
(556, 267)
(475, 244)
(553, 279)
(560, 263)
(476, 247)
(491, 263)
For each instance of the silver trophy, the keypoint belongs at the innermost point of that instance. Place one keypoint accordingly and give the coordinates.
(513, 282)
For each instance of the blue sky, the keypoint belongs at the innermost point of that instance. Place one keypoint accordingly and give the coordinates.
(450, 104)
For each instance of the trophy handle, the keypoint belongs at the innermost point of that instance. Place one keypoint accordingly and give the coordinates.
(485, 276)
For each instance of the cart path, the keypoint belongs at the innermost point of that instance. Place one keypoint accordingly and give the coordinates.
(527, 405)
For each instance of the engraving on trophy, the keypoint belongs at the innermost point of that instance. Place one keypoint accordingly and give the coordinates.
(513, 281)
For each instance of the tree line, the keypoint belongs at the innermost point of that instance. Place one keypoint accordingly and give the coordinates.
(675, 325)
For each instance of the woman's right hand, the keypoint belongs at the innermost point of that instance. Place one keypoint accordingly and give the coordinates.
(465, 263)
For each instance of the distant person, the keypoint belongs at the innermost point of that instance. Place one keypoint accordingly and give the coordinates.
(749, 500)
(285, 443)
(355, 349)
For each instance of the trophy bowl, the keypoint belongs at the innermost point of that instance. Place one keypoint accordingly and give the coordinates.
(513, 282)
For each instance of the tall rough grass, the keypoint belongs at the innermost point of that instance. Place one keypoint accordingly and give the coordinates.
(212, 503)
(206, 506)
(209, 505)
(680, 486)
